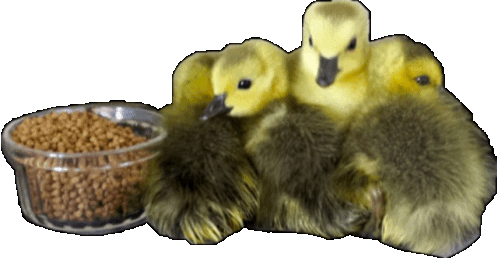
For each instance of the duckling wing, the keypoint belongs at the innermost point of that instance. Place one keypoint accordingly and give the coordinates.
(433, 166)
(202, 186)
(294, 148)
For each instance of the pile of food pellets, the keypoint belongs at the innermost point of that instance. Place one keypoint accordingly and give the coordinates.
(74, 132)
(94, 187)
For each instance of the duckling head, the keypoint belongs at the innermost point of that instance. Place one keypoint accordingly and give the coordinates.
(335, 40)
(246, 78)
(419, 72)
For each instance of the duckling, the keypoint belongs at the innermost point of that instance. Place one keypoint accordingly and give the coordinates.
(193, 76)
(191, 85)
(202, 185)
(330, 68)
(415, 158)
(293, 146)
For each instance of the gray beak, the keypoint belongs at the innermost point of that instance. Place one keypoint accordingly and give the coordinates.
(327, 71)
(216, 107)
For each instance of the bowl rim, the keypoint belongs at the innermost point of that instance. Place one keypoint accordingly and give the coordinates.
(10, 143)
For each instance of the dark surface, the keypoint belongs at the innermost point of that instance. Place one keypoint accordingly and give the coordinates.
(67, 55)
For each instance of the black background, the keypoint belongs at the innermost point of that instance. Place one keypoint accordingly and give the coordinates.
(67, 55)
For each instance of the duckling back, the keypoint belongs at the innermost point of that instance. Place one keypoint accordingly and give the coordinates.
(295, 148)
(433, 165)
(420, 146)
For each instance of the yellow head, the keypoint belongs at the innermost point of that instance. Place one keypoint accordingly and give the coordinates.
(246, 78)
(414, 71)
(335, 40)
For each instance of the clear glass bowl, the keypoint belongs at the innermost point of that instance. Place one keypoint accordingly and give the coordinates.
(91, 193)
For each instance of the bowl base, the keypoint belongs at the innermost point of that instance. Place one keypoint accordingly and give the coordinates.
(98, 228)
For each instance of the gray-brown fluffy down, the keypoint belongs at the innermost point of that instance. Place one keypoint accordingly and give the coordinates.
(434, 165)
(202, 186)
(296, 151)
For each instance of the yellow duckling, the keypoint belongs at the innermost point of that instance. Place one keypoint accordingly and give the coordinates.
(415, 158)
(294, 147)
(192, 86)
(202, 186)
(330, 68)
(192, 78)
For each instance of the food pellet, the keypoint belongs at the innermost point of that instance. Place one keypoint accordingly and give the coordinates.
(89, 188)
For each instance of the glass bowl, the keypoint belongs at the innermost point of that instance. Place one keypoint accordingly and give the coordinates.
(92, 193)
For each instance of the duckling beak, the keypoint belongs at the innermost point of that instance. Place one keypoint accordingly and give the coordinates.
(327, 71)
(216, 107)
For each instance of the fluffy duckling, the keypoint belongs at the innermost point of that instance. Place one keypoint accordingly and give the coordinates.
(192, 78)
(330, 68)
(192, 84)
(202, 186)
(415, 158)
(293, 146)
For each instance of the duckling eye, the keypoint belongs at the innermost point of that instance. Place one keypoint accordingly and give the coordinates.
(244, 84)
(311, 42)
(352, 44)
(423, 80)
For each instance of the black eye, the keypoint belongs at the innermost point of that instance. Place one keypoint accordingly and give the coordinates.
(423, 80)
(244, 84)
(311, 42)
(352, 44)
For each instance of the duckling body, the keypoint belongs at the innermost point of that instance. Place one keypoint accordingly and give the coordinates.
(419, 147)
(293, 146)
(202, 186)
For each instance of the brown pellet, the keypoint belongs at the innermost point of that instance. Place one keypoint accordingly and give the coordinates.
(90, 188)
(54, 132)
